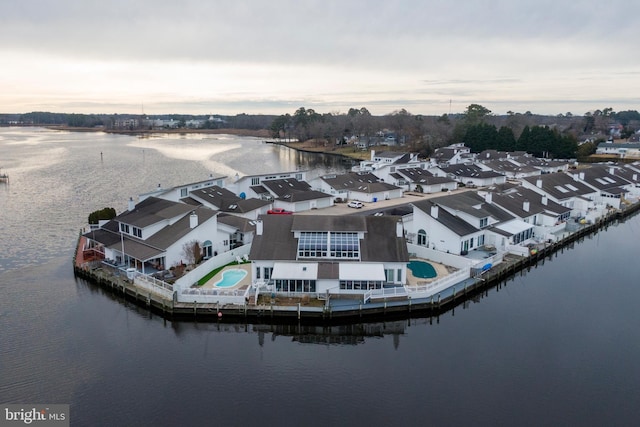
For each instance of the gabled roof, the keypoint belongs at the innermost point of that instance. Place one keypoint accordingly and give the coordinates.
(600, 177)
(469, 171)
(292, 190)
(244, 225)
(492, 155)
(444, 154)
(472, 204)
(216, 196)
(513, 201)
(457, 225)
(504, 165)
(560, 186)
(166, 237)
(365, 182)
(380, 243)
(422, 176)
(153, 210)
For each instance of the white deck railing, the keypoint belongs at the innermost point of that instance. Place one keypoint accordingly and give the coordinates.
(425, 290)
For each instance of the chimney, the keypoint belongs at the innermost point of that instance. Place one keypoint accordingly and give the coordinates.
(193, 220)
(488, 197)
(259, 227)
(635, 177)
(539, 183)
(399, 229)
(612, 170)
(525, 206)
(132, 205)
(373, 154)
(434, 211)
(581, 176)
(544, 199)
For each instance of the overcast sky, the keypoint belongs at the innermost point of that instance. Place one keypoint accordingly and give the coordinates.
(215, 57)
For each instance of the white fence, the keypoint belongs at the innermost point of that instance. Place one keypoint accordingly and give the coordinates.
(209, 265)
(154, 285)
(518, 250)
(214, 296)
(438, 256)
(429, 289)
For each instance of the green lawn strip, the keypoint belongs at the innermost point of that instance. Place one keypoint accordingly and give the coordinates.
(212, 273)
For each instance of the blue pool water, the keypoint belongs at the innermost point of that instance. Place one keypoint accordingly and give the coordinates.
(422, 269)
(230, 278)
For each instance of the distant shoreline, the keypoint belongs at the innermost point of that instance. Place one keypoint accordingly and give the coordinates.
(258, 133)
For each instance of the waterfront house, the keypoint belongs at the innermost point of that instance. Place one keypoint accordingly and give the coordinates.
(179, 192)
(463, 222)
(151, 235)
(547, 216)
(243, 186)
(322, 254)
(611, 189)
(362, 186)
(439, 230)
(563, 189)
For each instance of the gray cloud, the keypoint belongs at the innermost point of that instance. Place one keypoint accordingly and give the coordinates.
(420, 53)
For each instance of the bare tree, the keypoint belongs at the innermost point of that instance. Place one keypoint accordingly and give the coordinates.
(192, 252)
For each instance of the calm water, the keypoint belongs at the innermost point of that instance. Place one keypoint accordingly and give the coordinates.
(558, 345)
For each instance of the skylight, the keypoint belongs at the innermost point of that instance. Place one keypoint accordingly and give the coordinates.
(571, 187)
(561, 189)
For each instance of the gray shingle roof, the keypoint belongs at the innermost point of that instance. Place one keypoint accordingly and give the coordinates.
(452, 222)
(365, 182)
(379, 244)
(153, 210)
(560, 185)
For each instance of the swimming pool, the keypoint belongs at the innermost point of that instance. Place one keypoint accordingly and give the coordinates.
(422, 269)
(230, 278)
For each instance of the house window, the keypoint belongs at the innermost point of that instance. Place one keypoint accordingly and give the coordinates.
(267, 272)
(207, 249)
(481, 240)
(137, 232)
(483, 222)
(328, 245)
(183, 192)
(258, 272)
(422, 238)
(299, 176)
(389, 275)
(399, 275)
(124, 228)
(255, 181)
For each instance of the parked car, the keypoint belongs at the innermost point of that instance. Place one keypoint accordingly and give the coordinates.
(355, 204)
(278, 211)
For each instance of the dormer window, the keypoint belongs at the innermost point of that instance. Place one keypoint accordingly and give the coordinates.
(484, 222)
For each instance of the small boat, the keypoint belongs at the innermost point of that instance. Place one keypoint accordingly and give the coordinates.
(4, 177)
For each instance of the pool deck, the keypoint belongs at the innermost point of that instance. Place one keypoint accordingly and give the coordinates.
(441, 270)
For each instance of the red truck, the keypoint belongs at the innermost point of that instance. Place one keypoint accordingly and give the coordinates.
(279, 211)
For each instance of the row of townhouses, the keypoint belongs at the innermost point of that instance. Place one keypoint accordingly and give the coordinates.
(517, 201)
